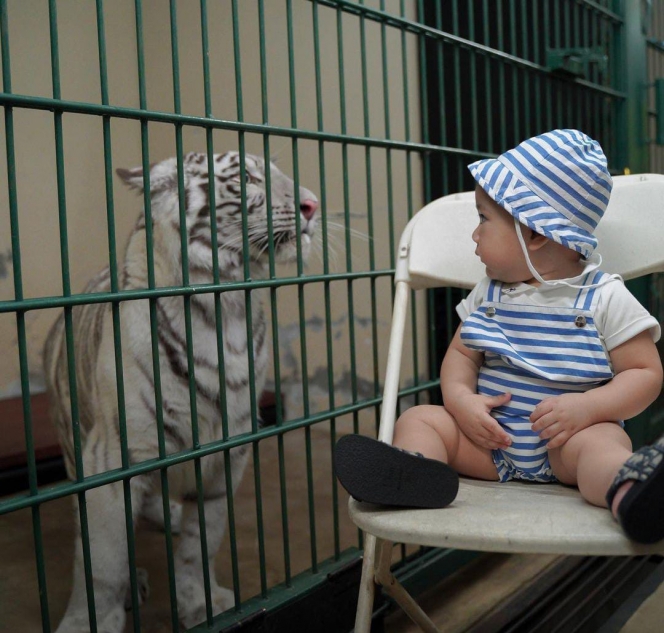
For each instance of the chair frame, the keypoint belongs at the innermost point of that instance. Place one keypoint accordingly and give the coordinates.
(436, 251)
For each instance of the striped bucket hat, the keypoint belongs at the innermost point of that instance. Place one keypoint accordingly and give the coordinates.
(556, 183)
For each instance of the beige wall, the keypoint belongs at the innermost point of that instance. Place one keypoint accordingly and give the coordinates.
(84, 168)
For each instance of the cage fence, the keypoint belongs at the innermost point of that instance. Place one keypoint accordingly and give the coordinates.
(376, 107)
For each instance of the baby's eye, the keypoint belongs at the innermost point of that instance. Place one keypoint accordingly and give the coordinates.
(482, 218)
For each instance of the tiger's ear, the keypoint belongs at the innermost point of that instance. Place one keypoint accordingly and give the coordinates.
(133, 178)
(163, 177)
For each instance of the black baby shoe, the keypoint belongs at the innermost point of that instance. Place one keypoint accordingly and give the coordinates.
(641, 510)
(376, 472)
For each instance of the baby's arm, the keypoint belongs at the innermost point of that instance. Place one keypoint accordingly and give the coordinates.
(458, 381)
(635, 385)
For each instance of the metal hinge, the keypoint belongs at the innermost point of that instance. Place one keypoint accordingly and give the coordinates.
(576, 61)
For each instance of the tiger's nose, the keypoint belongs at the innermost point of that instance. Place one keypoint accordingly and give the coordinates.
(308, 208)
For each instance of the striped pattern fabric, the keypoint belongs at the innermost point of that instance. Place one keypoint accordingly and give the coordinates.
(556, 183)
(534, 352)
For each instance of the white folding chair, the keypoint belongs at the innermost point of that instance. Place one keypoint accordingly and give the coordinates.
(436, 250)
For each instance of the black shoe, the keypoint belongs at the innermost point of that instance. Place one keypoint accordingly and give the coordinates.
(376, 472)
(641, 510)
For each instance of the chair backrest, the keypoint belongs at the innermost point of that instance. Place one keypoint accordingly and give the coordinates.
(436, 248)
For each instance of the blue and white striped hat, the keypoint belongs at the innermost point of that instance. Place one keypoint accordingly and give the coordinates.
(556, 183)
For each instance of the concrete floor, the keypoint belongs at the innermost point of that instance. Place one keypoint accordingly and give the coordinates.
(455, 604)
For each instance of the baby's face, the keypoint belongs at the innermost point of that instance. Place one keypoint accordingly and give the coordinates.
(497, 243)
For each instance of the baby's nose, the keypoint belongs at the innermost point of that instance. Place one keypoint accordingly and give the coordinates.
(308, 208)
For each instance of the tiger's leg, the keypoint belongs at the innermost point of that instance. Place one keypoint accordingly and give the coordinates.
(188, 563)
(153, 512)
(109, 557)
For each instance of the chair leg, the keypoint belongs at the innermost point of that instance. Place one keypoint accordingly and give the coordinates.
(396, 591)
(365, 598)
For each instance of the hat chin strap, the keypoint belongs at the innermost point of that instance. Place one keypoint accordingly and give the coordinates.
(595, 261)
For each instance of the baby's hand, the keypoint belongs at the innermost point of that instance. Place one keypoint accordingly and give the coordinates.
(476, 422)
(558, 418)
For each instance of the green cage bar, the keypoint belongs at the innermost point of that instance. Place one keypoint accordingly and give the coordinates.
(406, 94)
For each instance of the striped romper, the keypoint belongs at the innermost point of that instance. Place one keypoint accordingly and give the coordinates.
(534, 352)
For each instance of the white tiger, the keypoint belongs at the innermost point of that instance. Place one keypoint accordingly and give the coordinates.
(96, 376)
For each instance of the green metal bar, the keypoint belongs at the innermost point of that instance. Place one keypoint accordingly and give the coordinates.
(657, 45)
(326, 270)
(77, 107)
(205, 58)
(300, 297)
(633, 152)
(525, 28)
(457, 79)
(154, 336)
(514, 104)
(440, 46)
(274, 304)
(537, 55)
(173, 291)
(94, 481)
(567, 22)
(558, 43)
(424, 99)
(427, 164)
(369, 179)
(115, 308)
(420, 28)
(602, 11)
(247, 295)
(346, 198)
(409, 187)
(473, 77)
(501, 77)
(189, 339)
(488, 119)
(69, 338)
(548, 96)
(389, 179)
(21, 332)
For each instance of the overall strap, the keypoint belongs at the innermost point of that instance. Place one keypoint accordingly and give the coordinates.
(587, 297)
(493, 291)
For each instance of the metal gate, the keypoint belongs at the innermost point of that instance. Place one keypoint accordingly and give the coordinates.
(376, 106)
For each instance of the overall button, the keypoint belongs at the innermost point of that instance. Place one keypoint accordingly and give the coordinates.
(580, 321)
(491, 311)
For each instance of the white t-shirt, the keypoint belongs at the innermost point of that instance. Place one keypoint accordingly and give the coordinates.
(618, 316)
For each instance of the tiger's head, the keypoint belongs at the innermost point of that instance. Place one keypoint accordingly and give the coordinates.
(226, 178)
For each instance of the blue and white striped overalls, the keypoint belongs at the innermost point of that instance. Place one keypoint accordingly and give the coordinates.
(534, 352)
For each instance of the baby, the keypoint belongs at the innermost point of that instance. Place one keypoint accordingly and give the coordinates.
(551, 356)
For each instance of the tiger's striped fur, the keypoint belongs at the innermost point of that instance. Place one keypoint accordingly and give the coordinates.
(96, 375)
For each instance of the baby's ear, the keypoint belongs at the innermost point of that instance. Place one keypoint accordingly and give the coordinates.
(536, 240)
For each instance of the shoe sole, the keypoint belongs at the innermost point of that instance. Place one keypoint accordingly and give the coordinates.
(376, 472)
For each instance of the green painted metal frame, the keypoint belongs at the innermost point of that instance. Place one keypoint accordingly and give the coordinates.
(586, 21)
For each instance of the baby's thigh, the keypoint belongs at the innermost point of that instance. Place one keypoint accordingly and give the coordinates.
(598, 444)
(458, 451)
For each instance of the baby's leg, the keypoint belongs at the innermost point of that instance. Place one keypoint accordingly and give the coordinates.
(600, 460)
(591, 458)
(420, 469)
(433, 432)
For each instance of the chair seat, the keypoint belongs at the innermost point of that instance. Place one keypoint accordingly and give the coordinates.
(514, 517)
